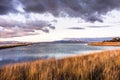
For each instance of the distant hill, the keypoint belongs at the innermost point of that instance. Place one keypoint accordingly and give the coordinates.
(69, 41)
(82, 40)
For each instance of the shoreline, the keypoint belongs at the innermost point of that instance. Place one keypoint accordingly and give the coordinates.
(12, 45)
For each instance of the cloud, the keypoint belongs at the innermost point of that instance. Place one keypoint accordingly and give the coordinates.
(98, 26)
(76, 28)
(89, 10)
(6, 32)
(13, 28)
(6, 6)
(23, 17)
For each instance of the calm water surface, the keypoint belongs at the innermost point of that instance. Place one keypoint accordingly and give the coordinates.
(46, 50)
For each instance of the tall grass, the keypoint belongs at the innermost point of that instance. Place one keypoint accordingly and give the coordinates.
(97, 66)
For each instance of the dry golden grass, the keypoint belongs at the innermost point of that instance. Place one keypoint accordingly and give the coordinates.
(97, 66)
(105, 44)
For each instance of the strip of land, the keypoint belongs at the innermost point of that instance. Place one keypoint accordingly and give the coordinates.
(103, 65)
(5, 46)
(104, 44)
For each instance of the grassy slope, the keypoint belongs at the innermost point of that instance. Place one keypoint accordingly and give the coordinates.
(105, 43)
(101, 66)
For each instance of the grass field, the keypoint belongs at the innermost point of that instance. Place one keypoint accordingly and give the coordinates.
(105, 44)
(96, 66)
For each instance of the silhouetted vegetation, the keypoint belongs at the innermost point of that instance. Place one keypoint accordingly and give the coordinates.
(97, 66)
(116, 39)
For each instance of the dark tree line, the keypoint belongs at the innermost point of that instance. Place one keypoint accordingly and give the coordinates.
(116, 39)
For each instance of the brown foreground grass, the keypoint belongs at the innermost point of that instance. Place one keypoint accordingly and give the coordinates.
(105, 44)
(97, 66)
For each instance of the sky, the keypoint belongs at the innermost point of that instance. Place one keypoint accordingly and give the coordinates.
(49, 20)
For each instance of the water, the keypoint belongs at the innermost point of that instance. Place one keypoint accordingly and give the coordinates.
(46, 50)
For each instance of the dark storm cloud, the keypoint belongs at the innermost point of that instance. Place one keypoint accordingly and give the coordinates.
(89, 10)
(6, 6)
